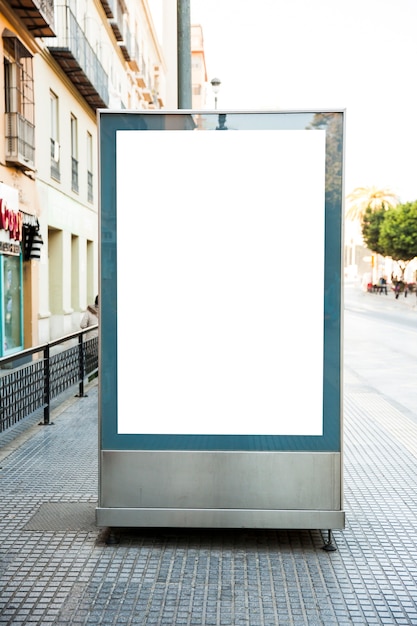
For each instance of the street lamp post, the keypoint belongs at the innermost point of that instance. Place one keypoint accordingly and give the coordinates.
(215, 84)
(184, 54)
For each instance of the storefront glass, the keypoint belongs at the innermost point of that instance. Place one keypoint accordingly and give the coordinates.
(11, 296)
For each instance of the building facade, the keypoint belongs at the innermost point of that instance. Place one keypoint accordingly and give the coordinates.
(61, 62)
(198, 68)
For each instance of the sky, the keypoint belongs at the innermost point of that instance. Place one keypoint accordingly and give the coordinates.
(355, 55)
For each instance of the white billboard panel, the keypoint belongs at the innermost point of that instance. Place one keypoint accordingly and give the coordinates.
(220, 282)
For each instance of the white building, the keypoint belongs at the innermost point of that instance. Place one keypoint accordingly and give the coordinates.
(61, 63)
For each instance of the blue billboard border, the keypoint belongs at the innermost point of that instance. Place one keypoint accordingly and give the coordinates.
(332, 122)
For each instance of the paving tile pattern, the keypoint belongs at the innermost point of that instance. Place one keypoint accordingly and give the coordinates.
(202, 577)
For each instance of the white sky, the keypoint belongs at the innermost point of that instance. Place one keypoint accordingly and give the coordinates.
(358, 55)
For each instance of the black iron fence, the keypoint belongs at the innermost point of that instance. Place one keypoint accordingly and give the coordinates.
(30, 379)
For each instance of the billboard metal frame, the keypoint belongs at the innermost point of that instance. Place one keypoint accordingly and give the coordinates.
(221, 480)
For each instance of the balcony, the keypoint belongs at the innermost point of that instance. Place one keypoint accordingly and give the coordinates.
(36, 15)
(140, 79)
(147, 94)
(108, 8)
(111, 7)
(78, 60)
(118, 10)
(130, 50)
(20, 141)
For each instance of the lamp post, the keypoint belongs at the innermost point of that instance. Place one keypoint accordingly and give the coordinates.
(215, 84)
(184, 54)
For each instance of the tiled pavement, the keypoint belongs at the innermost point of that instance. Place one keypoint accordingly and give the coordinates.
(56, 568)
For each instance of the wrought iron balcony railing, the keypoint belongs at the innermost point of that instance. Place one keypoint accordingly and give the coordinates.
(20, 141)
(55, 162)
(74, 174)
(130, 50)
(36, 15)
(115, 10)
(77, 58)
(90, 195)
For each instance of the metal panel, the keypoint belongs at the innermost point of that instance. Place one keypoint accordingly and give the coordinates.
(228, 482)
(217, 518)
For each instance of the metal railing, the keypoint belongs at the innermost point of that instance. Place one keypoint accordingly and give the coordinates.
(90, 195)
(74, 174)
(46, 7)
(72, 38)
(30, 379)
(20, 140)
(55, 169)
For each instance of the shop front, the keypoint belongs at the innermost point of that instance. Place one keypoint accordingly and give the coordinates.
(11, 282)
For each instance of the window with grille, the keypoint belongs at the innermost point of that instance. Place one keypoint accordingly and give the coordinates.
(90, 195)
(74, 154)
(54, 129)
(19, 103)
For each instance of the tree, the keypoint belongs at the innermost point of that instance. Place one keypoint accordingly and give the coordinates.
(371, 228)
(363, 197)
(398, 234)
(333, 125)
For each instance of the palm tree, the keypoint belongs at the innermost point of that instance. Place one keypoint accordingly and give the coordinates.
(363, 197)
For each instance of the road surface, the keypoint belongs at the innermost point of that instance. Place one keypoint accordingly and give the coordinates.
(380, 344)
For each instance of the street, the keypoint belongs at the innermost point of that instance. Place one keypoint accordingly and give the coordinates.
(380, 345)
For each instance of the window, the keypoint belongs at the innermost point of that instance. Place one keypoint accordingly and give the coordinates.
(11, 293)
(75, 272)
(54, 111)
(90, 196)
(74, 153)
(19, 104)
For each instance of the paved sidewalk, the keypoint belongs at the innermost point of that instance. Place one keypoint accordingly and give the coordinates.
(55, 567)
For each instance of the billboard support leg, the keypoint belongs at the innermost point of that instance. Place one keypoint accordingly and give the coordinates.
(329, 545)
(112, 538)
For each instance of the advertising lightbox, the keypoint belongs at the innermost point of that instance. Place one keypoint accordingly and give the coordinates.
(220, 358)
